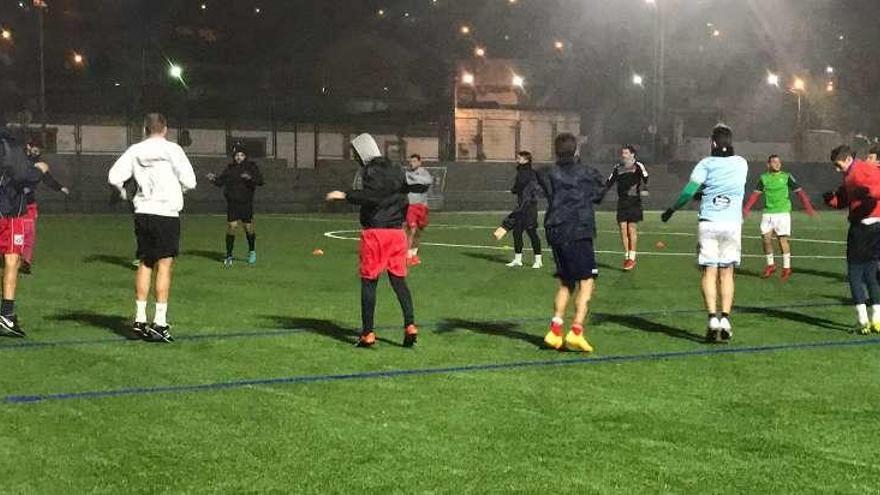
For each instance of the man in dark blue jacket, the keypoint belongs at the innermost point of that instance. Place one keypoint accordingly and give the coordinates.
(17, 173)
(570, 224)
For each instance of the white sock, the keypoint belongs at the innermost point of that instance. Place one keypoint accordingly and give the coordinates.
(517, 257)
(786, 260)
(632, 255)
(141, 314)
(415, 251)
(538, 258)
(862, 310)
(875, 310)
(161, 313)
(770, 260)
(557, 321)
(411, 253)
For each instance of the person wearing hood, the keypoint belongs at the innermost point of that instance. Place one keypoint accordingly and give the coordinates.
(631, 178)
(239, 182)
(17, 173)
(525, 217)
(162, 173)
(30, 221)
(572, 189)
(383, 245)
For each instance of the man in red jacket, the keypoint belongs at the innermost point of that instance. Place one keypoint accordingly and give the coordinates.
(860, 193)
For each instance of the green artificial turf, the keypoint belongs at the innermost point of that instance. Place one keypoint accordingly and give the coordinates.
(654, 410)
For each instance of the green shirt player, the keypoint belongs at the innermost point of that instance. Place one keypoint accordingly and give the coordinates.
(777, 186)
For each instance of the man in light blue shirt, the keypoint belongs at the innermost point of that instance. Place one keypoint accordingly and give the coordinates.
(721, 179)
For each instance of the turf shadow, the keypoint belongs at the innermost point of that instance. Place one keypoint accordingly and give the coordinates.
(782, 314)
(613, 268)
(117, 324)
(494, 258)
(645, 325)
(504, 329)
(837, 276)
(324, 328)
(208, 255)
(107, 259)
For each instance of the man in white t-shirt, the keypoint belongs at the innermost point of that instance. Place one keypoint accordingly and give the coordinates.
(162, 173)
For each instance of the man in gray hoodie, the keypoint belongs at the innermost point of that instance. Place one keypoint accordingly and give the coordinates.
(162, 173)
(419, 181)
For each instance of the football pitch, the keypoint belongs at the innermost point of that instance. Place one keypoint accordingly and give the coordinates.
(263, 390)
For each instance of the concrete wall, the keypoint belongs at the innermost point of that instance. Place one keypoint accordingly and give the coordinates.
(296, 146)
(495, 135)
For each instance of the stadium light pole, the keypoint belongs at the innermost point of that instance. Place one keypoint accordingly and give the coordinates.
(658, 90)
(41, 7)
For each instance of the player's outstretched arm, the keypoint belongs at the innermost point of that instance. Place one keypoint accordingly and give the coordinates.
(750, 203)
(687, 194)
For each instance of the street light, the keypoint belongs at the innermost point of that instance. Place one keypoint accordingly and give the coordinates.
(638, 80)
(465, 30)
(480, 52)
(78, 59)
(773, 79)
(518, 81)
(6, 34)
(176, 72)
(559, 45)
(467, 78)
(799, 85)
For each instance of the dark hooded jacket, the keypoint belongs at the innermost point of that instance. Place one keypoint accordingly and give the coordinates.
(382, 197)
(572, 189)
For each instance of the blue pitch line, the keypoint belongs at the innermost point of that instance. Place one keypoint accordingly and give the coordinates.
(31, 345)
(366, 375)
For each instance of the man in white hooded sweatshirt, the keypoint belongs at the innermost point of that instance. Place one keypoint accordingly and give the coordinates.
(162, 173)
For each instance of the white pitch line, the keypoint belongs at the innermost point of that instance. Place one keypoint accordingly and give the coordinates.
(671, 234)
(336, 235)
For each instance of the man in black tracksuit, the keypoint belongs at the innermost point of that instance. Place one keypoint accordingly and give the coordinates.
(239, 182)
(570, 223)
(384, 244)
(30, 194)
(525, 217)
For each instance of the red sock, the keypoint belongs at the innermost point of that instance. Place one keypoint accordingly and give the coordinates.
(577, 329)
(556, 328)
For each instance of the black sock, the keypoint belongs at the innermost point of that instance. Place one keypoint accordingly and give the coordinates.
(725, 315)
(712, 315)
(8, 307)
(404, 297)
(252, 241)
(368, 303)
(230, 245)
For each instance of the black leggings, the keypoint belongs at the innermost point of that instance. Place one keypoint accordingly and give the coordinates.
(518, 244)
(368, 300)
(863, 282)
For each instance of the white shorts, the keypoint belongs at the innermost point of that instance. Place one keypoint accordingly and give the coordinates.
(776, 223)
(720, 244)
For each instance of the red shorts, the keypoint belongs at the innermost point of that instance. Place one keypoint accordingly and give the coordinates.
(12, 234)
(30, 233)
(381, 250)
(417, 216)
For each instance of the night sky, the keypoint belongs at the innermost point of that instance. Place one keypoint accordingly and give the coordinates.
(309, 59)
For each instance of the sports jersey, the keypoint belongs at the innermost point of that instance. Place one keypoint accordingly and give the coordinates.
(723, 181)
(776, 187)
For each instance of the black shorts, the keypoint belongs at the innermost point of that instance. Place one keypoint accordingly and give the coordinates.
(863, 243)
(575, 261)
(240, 212)
(157, 237)
(629, 212)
